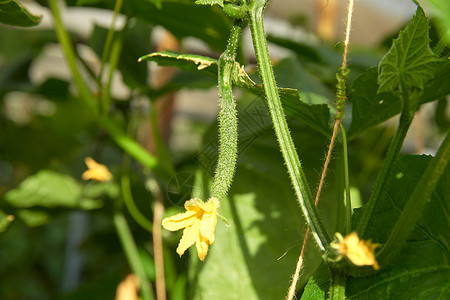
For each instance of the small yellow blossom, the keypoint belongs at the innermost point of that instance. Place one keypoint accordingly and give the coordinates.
(360, 252)
(96, 171)
(199, 223)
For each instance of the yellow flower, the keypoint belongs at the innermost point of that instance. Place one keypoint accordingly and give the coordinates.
(199, 223)
(360, 252)
(96, 171)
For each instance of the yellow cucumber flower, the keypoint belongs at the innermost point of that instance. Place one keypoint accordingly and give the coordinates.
(359, 252)
(96, 171)
(199, 223)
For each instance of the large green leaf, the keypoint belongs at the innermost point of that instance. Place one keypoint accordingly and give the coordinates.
(421, 271)
(370, 108)
(438, 87)
(181, 18)
(13, 13)
(244, 262)
(311, 103)
(47, 189)
(410, 61)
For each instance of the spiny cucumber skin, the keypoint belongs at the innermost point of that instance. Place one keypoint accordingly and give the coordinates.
(228, 130)
(226, 163)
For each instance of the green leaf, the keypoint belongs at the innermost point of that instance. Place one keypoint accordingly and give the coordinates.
(313, 291)
(422, 269)
(438, 87)
(266, 230)
(370, 108)
(13, 13)
(209, 2)
(206, 23)
(310, 103)
(318, 285)
(46, 188)
(5, 220)
(188, 62)
(410, 59)
(33, 218)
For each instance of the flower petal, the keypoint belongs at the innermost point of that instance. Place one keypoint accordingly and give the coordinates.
(208, 226)
(202, 245)
(96, 171)
(359, 252)
(180, 220)
(194, 204)
(189, 237)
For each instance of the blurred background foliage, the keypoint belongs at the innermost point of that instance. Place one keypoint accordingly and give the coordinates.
(62, 242)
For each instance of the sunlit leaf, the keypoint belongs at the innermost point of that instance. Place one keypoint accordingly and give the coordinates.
(209, 2)
(33, 218)
(421, 269)
(188, 62)
(318, 285)
(13, 13)
(266, 223)
(46, 188)
(410, 61)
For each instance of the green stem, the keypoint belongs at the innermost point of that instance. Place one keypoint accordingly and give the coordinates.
(287, 147)
(348, 202)
(162, 152)
(403, 126)
(109, 38)
(134, 149)
(337, 285)
(129, 203)
(66, 44)
(113, 62)
(228, 133)
(132, 254)
(116, 133)
(416, 203)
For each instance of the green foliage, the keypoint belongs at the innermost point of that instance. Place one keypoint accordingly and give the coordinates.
(266, 222)
(410, 61)
(5, 220)
(209, 2)
(13, 13)
(424, 259)
(50, 220)
(46, 189)
(188, 62)
(370, 108)
(308, 104)
(206, 23)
